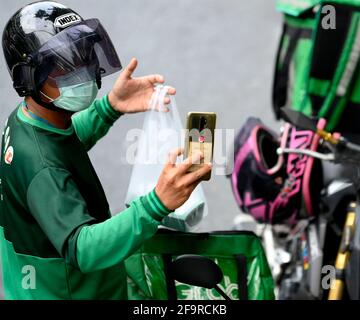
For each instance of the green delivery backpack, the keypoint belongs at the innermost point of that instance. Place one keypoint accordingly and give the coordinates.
(317, 66)
(239, 254)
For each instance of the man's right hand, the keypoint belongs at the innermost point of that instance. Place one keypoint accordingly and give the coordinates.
(175, 183)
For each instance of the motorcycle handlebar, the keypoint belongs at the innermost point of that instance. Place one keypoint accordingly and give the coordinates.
(310, 153)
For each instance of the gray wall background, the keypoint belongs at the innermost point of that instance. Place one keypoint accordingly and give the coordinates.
(218, 54)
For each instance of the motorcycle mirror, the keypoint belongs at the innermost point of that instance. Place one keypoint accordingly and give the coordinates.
(197, 271)
(298, 119)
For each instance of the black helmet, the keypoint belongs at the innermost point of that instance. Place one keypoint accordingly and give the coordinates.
(46, 39)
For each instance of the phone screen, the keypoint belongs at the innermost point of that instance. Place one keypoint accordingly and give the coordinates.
(201, 128)
(203, 144)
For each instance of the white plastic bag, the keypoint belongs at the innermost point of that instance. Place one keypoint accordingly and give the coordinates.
(162, 133)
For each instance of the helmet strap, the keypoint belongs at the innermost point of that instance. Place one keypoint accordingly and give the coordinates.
(48, 105)
(98, 79)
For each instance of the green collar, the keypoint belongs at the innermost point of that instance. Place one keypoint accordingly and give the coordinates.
(40, 124)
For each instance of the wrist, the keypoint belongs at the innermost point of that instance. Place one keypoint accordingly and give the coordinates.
(161, 201)
(154, 206)
(106, 111)
(114, 102)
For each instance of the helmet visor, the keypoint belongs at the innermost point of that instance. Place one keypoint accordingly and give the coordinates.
(77, 54)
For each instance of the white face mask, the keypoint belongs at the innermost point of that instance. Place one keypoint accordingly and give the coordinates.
(76, 97)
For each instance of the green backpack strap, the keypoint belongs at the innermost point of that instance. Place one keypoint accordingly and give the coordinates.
(281, 81)
(295, 29)
(242, 277)
(334, 65)
(170, 281)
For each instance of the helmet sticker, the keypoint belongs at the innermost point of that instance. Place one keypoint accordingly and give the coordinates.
(66, 20)
(9, 155)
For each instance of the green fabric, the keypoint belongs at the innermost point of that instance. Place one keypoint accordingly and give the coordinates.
(336, 114)
(342, 64)
(152, 203)
(57, 205)
(299, 69)
(303, 23)
(94, 122)
(355, 94)
(297, 98)
(145, 268)
(55, 279)
(301, 87)
(90, 124)
(319, 87)
(345, 2)
(102, 245)
(284, 47)
(50, 194)
(297, 7)
(41, 125)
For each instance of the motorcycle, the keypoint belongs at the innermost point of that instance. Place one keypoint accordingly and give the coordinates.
(311, 260)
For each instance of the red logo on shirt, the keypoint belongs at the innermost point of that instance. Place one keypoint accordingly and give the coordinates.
(9, 155)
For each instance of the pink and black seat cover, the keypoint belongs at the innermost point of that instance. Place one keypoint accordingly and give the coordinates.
(273, 188)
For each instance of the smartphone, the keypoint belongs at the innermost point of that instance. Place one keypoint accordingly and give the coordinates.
(200, 137)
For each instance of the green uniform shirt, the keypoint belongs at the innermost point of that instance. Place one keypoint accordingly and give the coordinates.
(57, 237)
